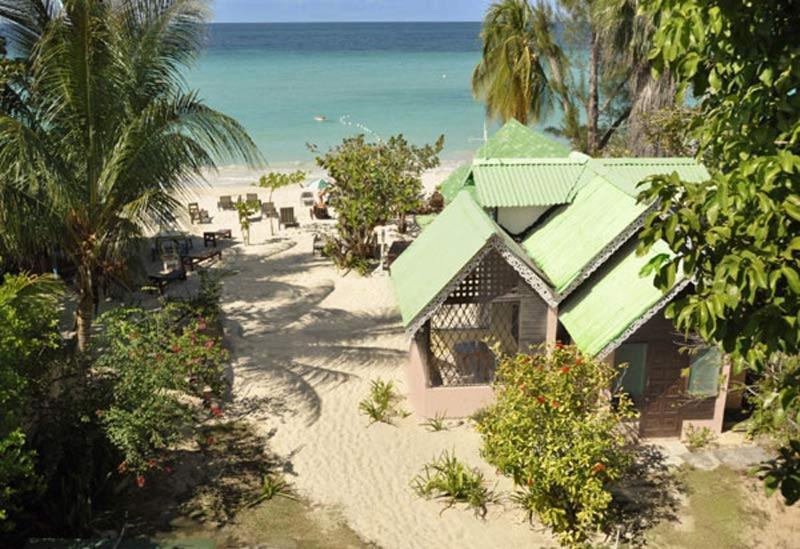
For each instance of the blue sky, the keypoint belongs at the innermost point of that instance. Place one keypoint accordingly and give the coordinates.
(348, 10)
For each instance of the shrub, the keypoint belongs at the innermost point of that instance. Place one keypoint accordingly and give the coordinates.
(555, 432)
(448, 479)
(374, 181)
(381, 406)
(166, 373)
(699, 437)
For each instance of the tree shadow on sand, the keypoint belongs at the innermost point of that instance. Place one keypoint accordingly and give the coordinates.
(651, 493)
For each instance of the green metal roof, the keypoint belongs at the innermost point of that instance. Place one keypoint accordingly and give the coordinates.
(513, 183)
(439, 253)
(626, 173)
(456, 181)
(612, 300)
(573, 236)
(514, 140)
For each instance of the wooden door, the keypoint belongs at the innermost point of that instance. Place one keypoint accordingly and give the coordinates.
(663, 397)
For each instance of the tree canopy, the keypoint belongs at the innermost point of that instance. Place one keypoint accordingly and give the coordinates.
(738, 235)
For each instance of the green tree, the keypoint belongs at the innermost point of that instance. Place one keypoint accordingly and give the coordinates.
(373, 181)
(588, 56)
(105, 136)
(555, 433)
(277, 180)
(738, 235)
(28, 337)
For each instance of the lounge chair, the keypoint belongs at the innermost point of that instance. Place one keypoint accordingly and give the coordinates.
(225, 203)
(318, 245)
(268, 209)
(196, 214)
(307, 198)
(287, 218)
(252, 198)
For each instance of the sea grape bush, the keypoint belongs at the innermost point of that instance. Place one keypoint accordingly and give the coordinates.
(554, 431)
(167, 377)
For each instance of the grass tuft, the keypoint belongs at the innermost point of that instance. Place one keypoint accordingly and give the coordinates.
(448, 479)
(436, 423)
(381, 405)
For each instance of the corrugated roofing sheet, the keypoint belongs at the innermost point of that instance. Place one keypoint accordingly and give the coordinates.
(574, 235)
(451, 186)
(626, 173)
(439, 253)
(611, 301)
(526, 182)
(514, 140)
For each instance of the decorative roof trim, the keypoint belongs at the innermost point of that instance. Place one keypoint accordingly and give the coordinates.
(525, 271)
(605, 254)
(660, 304)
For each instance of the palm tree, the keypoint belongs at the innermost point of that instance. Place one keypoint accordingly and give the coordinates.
(106, 138)
(518, 50)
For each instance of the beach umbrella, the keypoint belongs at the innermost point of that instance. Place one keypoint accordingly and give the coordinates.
(317, 185)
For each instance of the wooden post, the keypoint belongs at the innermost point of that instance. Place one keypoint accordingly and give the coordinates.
(551, 327)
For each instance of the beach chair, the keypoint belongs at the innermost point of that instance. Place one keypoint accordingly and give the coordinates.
(268, 209)
(198, 215)
(252, 198)
(194, 211)
(307, 198)
(225, 203)
(287, 218)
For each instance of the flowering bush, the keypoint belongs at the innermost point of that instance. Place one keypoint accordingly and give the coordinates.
(554, 431)
(168, 374)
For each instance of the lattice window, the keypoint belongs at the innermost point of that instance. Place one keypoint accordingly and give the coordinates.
(481, 313)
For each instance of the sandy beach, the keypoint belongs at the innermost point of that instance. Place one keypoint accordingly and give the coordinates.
(306, 340)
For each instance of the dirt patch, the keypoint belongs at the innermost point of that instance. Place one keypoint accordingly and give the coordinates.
(727, 508)
(215, 490)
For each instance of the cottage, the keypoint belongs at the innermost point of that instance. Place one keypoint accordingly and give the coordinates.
(537, 245)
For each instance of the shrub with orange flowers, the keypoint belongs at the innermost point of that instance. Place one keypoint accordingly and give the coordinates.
(554, 430)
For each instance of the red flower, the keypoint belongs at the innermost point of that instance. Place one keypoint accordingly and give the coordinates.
(598, 468)
(559, 345)
(578, 361)
(210, 441)
(541, 399)
(216, 411)
(140, 481)
(554, 404)
(530, 482)
(565, 370)
(209, 344)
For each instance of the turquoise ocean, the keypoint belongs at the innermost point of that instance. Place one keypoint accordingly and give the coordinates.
(373, 78)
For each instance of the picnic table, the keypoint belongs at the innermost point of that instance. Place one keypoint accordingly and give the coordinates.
(182, 240)
(212, 236)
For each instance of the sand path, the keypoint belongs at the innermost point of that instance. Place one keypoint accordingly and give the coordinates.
(306, 341)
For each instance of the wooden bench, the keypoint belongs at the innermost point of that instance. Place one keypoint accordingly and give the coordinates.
(192, 260)
(212, 236)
